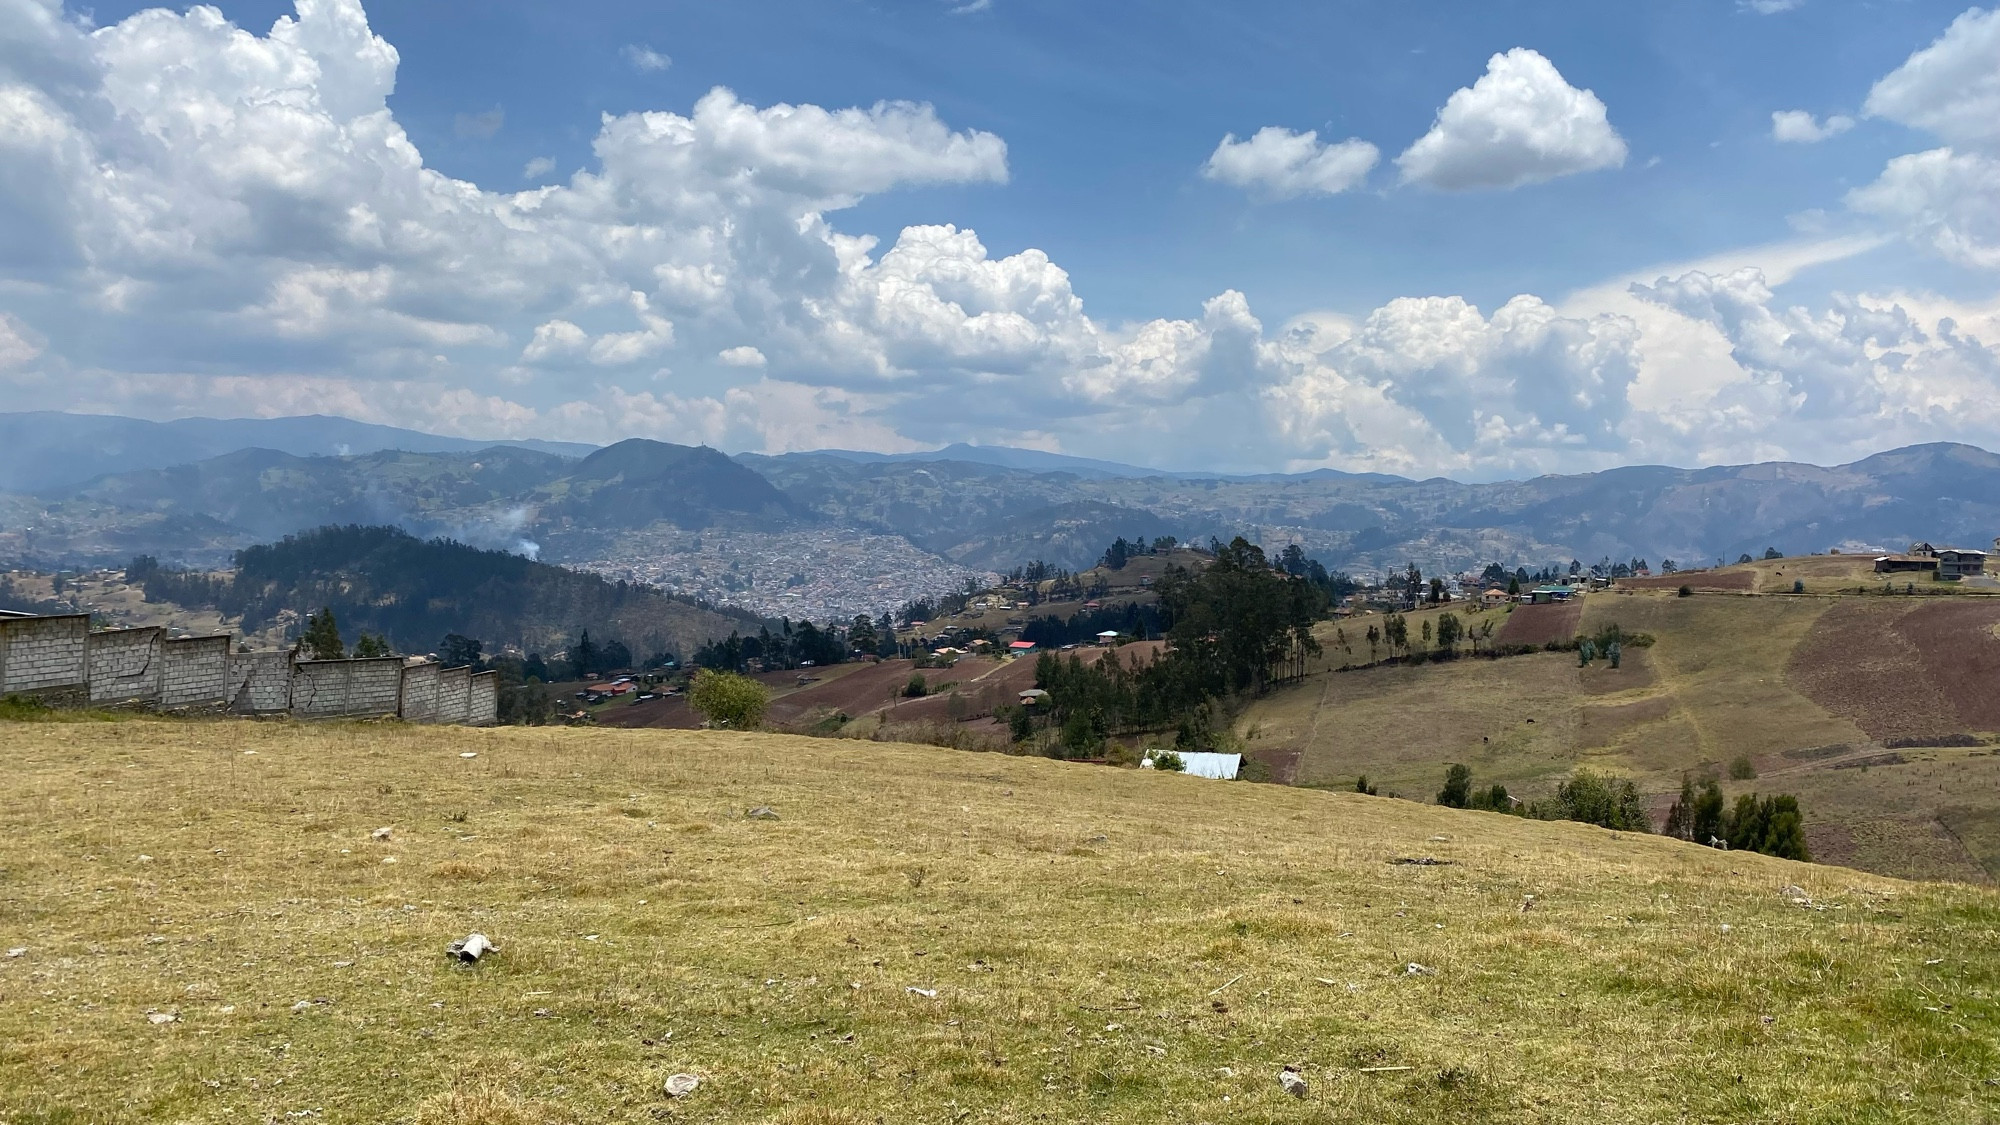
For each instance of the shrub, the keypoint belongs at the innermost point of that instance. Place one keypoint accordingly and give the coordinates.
(1594, 800)
(1798, 586)
(1740, 768)
(916, 688)
(1362, 787)
(727, 699)
(1685, 591)
(1169, 761)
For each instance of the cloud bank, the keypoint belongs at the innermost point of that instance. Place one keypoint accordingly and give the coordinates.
(195, 218)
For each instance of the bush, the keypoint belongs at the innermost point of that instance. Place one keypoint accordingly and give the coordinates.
(1594, 800)
(1798, 586)
(1740, 768)
(729, 700)
(1685, 591)
(1362, 787)
(1169, 761)
(1773, 826)
(916, 688)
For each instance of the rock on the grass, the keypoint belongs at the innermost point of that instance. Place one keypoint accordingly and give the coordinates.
(1415, 970)
(681, 1085)
(1292, 1082)
(381, 834)
(762, 812)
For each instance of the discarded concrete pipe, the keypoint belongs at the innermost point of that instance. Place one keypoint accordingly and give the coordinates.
(472, 948)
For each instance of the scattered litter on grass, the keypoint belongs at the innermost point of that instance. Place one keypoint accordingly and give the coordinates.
(388, 859)
(1292, 1082)
(343, 964)
(18, 951)
(145, 859)
(762, 812)
(302, 1006)
(381, 834)
(471, 948)
(926, 993)
(1327, 981)
(681, 1085)
(470, 754)
(157, 1018)
(1415, 970)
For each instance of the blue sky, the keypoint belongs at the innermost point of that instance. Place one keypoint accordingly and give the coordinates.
(1200, 317)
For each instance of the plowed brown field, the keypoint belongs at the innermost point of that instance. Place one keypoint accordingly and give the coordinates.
(1899, 670)
(1540, 624)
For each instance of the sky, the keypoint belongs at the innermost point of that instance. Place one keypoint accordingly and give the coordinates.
(1479, 240)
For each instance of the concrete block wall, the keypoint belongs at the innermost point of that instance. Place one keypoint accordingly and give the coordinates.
(351, 688)
(126, 665)
(260, 683)
(482, 706)
(46, 658)
(197, 672)
(454, 691)
(420, 693)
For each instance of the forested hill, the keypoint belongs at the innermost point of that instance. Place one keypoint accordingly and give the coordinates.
(413, 591)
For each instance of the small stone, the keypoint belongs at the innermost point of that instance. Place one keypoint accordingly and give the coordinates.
(544, 1014)
(1415, 970)
(388, 859)
(681, 1085)
(17, 951)
(762, 812)
(1292, 1082)
(157, 1018)
(926, 993)
(469, 754)
(145, 859)
(302, 1006)
(381, 834)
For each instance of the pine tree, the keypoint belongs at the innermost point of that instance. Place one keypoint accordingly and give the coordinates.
(1706, 824)
(322, 637)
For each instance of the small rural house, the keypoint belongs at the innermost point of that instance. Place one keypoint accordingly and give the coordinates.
(1954, 563)
(1898, 564)
(1108, 637)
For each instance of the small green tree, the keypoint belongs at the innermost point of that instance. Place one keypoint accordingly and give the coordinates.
(1741, 769)
(1169, 762)
(1021, 724)
(1362, 787)
(369, 645)
(1685, 591)
(917, 688)
(727, 699)
(1706, 825)
(322, 637)
(1457, 791)
(1798, 586)
(1449, 630)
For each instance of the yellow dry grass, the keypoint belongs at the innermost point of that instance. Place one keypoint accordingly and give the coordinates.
(1104, 945)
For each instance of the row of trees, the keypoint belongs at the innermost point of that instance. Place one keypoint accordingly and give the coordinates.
(1773, 825)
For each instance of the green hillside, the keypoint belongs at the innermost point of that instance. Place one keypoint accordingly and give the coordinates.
(1870, 708)
(209, 931)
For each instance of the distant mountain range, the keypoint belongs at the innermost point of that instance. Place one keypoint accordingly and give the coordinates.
(965, 504)
(46, 449)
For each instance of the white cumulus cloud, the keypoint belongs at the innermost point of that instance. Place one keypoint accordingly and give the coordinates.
(1520, 123)
(1796, 126)
(1950, 88)
(1282, 164)
(743, 355)
(538, 167)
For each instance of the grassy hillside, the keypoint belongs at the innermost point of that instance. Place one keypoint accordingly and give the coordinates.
(210, 933)
(1812, 690)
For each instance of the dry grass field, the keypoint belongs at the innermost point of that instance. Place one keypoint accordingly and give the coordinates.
(208, 932)
(1804, 687)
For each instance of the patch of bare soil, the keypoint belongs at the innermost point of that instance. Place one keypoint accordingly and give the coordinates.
(855, 693)
(1961, 655)
(669, 713)
(1540, 624)
(1857, 663)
